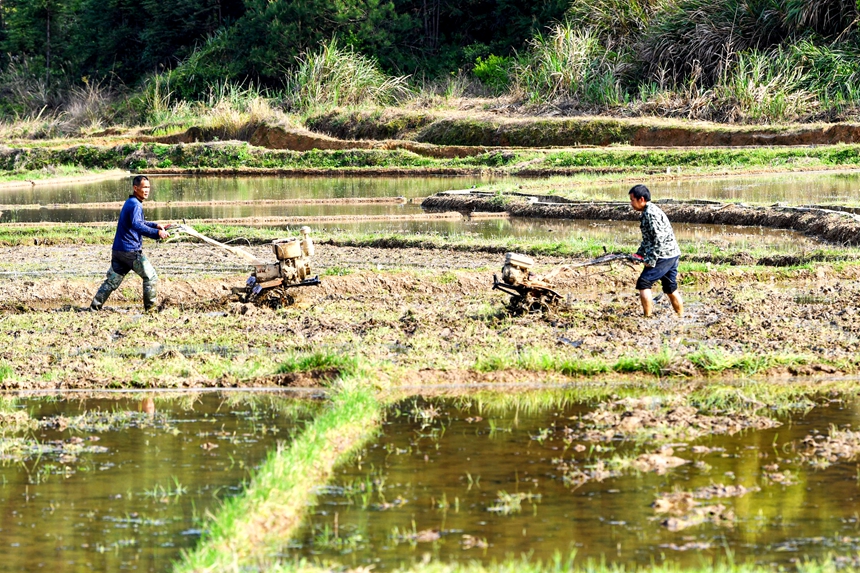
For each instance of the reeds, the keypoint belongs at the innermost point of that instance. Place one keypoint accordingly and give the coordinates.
(614, 20)
(763, 88)
(794, 82)
(569, 63)
(754, 61)
(339, 76)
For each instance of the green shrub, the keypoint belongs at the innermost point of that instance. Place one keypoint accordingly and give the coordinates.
(494, 72)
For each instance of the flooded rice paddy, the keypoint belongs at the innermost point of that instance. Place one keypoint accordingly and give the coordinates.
(464, 479)
(239, 193)
(280, 198)
(111, 484)
(793, 189)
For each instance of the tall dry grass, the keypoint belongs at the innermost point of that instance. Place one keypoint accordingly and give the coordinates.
(702, 38)
(828, 18)
(336, 76)
(615, 21)
(235, 109)
(568, 63)
(88, 107)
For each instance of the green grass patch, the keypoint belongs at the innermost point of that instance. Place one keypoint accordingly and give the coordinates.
(6, 371)
(283, 487)
(336, 363)
(705, 362)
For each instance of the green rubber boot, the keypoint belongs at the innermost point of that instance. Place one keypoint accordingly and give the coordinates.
(111, 283)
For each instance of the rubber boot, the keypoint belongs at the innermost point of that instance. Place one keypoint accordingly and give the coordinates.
(150, 296)
(144, 268)
(111, 283)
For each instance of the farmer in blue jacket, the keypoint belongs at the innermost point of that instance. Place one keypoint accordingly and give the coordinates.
(127, 244)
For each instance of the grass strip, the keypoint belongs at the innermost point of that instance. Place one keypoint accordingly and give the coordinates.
(697, 253)
(703, 362)
(248, 529)
(560, 564)
(240, 155)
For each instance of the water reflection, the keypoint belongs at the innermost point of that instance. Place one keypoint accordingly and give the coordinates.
(607, 232)
(451, 473)
(239, 189)
(112, 485)
(794, 189)
(84, 214)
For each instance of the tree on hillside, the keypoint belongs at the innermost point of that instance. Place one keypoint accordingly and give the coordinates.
(272, 34)
(450, 33)
(40, 30)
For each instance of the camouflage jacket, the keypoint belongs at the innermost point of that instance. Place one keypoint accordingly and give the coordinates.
(658, 239)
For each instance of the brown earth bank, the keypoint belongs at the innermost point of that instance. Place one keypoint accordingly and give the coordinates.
(442, 324)
(494, 130)
(828, 225)
(447, 138)
(279, 137)
(450, 134)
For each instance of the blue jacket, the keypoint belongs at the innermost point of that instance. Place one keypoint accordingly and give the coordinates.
(131, 226)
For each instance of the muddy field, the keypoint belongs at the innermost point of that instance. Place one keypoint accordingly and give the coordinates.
(423, 316)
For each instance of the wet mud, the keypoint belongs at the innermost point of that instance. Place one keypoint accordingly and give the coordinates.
(431, 313)
(621, 420)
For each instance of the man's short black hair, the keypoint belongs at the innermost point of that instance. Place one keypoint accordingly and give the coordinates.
(640, 191)
(138, 180)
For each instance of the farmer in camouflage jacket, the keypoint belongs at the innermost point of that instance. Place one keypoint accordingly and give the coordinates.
(659, 251)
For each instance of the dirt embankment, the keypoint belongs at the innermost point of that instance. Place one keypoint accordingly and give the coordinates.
(293, 139)
(484, 129)
(828, 225)
(452, 134)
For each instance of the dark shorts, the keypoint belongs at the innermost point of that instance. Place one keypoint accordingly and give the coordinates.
(665, 271)
(122, 262)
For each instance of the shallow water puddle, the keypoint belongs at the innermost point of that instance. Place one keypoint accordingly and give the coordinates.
(122, 484)
(219, 189)
(459, 481)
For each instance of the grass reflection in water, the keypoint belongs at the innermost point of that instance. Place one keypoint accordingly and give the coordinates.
(468, 480)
